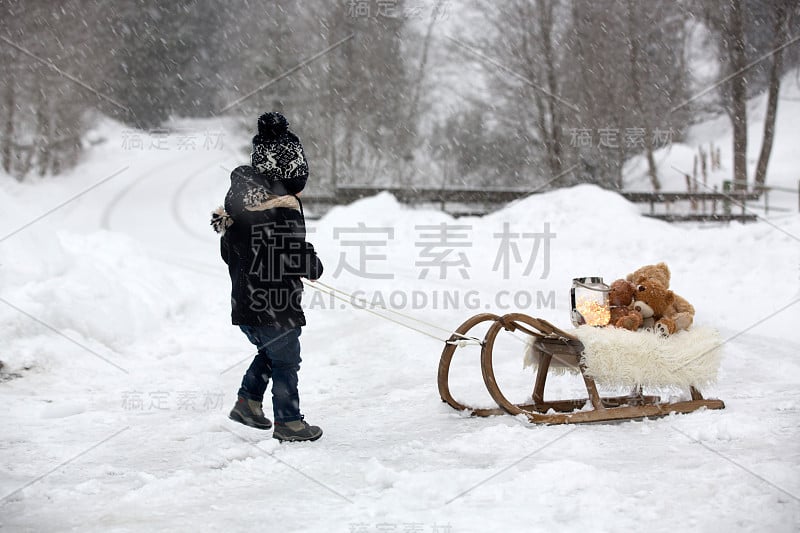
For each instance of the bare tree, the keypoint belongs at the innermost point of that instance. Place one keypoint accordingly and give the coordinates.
(734, 44)
(780, 37)
(8, 60)
(551, 117)
(42, 106)
(526, 79)
(636, 62)
(608, 70)
(746, 32)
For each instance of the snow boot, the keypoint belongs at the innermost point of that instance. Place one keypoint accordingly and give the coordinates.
(249, 413)
(298, 430)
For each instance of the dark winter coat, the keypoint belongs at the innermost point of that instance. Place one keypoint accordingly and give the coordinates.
(264, 245)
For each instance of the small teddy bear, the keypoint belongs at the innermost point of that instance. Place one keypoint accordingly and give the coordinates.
(656, 305)
(646, 312)
(653, 300)
(620, 300)
(680, 310)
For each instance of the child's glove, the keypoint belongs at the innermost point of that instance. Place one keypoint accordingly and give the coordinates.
(221, 220)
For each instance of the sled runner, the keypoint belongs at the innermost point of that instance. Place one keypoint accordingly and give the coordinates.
(553, 348)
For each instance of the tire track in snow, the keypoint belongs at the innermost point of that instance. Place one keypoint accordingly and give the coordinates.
(175, 203)
(111, 207)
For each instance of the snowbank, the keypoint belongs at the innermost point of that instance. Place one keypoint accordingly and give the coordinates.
(592, 232)
(100, 288)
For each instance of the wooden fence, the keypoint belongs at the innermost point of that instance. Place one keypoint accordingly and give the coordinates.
(703, 206)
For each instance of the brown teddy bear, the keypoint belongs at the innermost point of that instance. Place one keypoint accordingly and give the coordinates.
(620, 301)
(680, 311)
(660, 272)
(654, 303)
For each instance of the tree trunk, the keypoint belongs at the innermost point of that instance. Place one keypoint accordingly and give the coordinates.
(423, 62)
(333, 102)
(350, 118)
(651, 160)
(44, 137)
(588, 113)
(621, 154)
(544, 131)
(633, 54)
(554, 147)
(8, 130)
(738, 94)
(779, 37)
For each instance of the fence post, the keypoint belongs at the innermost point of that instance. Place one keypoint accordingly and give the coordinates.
(726, 201)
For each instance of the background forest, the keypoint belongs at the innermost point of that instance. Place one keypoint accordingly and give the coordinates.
(442, 93)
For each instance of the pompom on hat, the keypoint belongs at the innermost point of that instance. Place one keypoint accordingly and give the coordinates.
(278, 154)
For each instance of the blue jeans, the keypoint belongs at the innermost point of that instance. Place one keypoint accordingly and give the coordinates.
(278, 359)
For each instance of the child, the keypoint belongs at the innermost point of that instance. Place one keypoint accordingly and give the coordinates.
(263, 243)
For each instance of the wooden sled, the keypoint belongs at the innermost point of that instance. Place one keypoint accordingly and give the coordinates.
(551, 344)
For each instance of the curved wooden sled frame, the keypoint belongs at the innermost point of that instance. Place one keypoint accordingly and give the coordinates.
(553, 343)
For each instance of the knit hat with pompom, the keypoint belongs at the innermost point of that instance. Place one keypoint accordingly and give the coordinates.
(278, 154)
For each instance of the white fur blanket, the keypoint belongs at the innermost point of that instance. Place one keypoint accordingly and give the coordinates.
(620, 358)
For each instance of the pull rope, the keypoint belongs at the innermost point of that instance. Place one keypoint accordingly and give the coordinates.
(364, 302)
(370, 308)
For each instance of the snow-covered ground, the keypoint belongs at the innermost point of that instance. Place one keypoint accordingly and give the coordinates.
(121, 364)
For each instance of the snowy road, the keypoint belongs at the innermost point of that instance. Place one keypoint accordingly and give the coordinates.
(120, 421)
